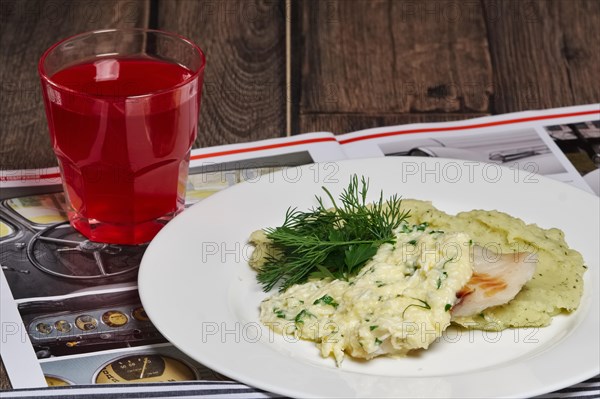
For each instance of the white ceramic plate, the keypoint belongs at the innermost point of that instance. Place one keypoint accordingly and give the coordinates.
(593, 180)
(199, 291)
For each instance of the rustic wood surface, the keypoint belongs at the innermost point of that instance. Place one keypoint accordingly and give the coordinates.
(408, 61)
(544, 53)
(4, 381)
(244, 87)
(354, 64)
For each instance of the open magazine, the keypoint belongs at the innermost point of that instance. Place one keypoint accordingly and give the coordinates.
(70, 310)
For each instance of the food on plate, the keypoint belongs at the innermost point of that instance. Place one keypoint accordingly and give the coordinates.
(388, 277)
(556, 285)
(322, 242)
(496, 279)
(399, 301)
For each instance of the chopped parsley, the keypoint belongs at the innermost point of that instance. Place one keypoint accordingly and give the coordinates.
(439, 280)
(422, 226)
(299, 319)
(406, 229)
(422, 304)
(446, 262)
(327, 300)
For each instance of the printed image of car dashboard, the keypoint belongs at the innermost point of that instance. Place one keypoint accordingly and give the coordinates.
(85, 327)
(74, 296)
(159, 363)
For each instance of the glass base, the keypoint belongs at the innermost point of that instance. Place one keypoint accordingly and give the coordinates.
(124, 234)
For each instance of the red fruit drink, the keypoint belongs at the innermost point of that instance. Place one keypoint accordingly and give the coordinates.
(122, 129)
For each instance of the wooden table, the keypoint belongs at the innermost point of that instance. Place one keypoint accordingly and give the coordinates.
(284, 67)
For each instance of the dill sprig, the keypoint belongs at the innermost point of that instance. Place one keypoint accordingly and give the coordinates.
(330, 242)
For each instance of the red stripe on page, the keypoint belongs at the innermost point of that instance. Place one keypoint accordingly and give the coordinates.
(50, 176)
(29, 177)
(477, 126)
(262, 147)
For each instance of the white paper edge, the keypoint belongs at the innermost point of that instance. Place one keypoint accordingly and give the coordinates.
(15, 345)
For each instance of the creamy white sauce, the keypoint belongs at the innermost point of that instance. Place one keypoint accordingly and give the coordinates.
(399, 301)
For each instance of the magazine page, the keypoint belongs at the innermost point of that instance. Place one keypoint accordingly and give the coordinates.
(70, 310)
(534, 141)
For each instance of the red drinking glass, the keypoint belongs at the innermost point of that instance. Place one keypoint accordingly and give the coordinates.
(122, 108)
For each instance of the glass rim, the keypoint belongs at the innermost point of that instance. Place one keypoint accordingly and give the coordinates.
(194, 75)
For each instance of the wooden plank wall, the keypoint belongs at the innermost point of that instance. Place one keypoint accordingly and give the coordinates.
(544, 53)
(354, 63)
(416, 63)
(362, 64)
(244, 87)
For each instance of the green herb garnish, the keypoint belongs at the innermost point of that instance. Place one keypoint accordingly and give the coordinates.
(299, 319)
(406, 229)
(447, 307)
(371, 328)
(439, 280)
(330, 243)
(423, 305)
(279, 313)
(378, 341)
(327, 300)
